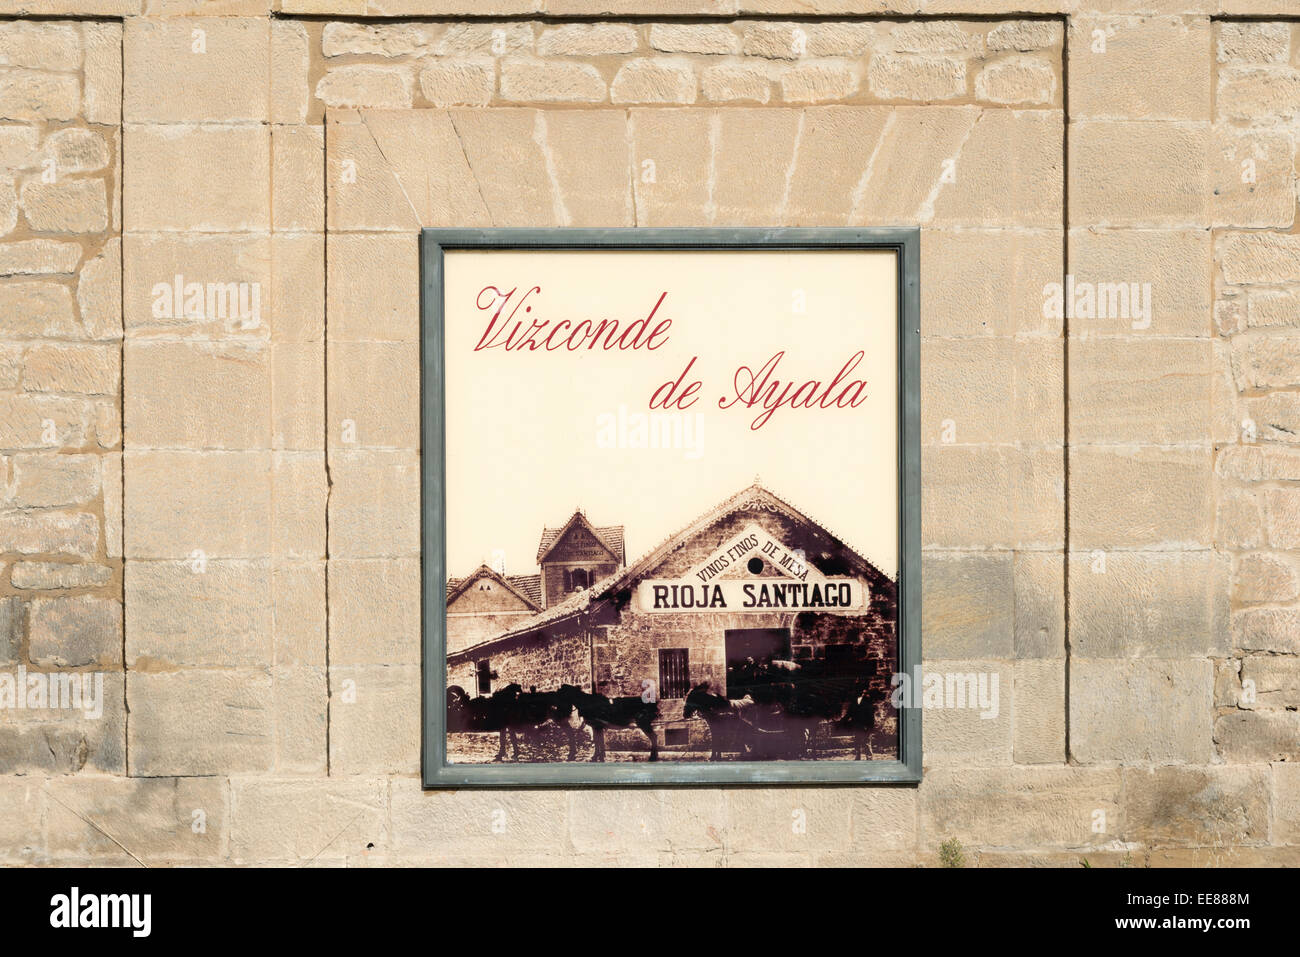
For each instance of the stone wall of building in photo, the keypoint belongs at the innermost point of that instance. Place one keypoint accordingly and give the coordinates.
(209, 442)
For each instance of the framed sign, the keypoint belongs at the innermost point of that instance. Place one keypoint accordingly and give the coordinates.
(671, 519)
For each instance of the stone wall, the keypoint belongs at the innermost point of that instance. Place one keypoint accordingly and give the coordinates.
(1110, 503)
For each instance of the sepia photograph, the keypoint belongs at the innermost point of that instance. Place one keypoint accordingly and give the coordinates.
(672, 508)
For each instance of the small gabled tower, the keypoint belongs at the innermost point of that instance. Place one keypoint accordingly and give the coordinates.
(576, 556)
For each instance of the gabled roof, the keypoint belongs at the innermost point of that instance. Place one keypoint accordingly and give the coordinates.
(601, 591)
(527, 588)
(675, 541)
(611, 536)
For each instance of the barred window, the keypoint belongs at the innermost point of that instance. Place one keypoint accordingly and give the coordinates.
(484, 672)
(674, 672)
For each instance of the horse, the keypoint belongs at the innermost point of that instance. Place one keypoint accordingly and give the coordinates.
(600, 712)
(727, 727)
(508, 710)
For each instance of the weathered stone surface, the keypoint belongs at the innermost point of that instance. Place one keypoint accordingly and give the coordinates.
(70, 206)
(232, 599)
(374, 505)
(1132, 173)
(179, 70)
(226, 290)
(1019, 806)
(631, 821)
(48, 576)
(933, 36)
(379, 417)
(991, 497)
(86, 369)
(458, 82)
(1277, 682)
(99, 293)
(45, 480)
(1266, 362)
(18, 147)
(1254, 737)
(183, 178)
(13, 616)
(72, 632)
(985, 182)
(198, 395)
(968, 602)
(973, 728)
(1264, 578)
(1017, 80)
(307, 822)
(198, 722)
(1173, 262)
(1252, 178)
(88, 736)
(44, 46)
(36, 309)
(49, 533)
(224, 496)
(122, 821)
(921, 78)
(297, 168)
(1141, 497)
(653, 81)
(34, 257)
(103, 72)
(374, 732)
(1252, 42)
(1137, 711)
(716, 38)
(745, 191)
(1257, 257)
(773, 41)
(725, 83)
(384, 39)
(1153, 391)
(1267, 629)
(290, 63)
(1258, 92)
(1149, 68)
(1024, 35)
(76, 150)
(366, 86)
(994, 390)
(33, 95)
(1038, 699)
(486, 827)
(1286, 803)
(22, 829)
(1196, 805)
(1039, 605)
(374, 611)
(298, 395)
(1269, 309)
(496, 39)
(298, 505)
(386, 311)
(818, 82)
(587, 39)
(1148, 604)
(991, 281)
(539, 81)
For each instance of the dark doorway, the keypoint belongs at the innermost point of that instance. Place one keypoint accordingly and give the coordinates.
(748, 650)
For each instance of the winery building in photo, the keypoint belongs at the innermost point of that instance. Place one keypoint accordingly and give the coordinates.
(753, 580)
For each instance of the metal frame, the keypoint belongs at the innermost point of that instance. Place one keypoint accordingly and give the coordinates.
(437, 773)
